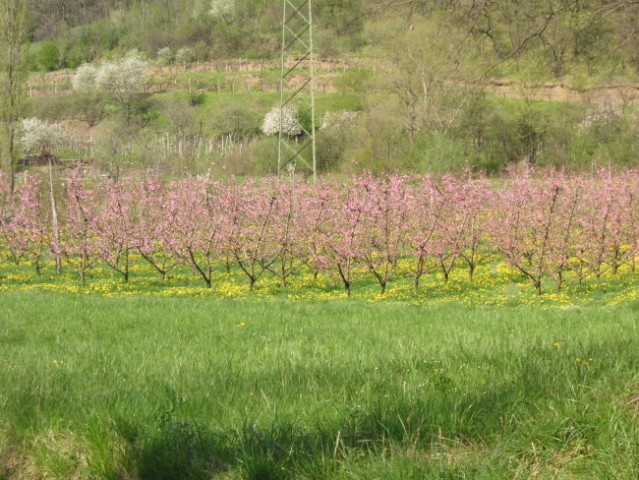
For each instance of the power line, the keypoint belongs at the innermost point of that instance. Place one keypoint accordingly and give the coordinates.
(297, 88)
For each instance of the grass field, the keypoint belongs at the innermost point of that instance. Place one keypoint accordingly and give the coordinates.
(272, 388)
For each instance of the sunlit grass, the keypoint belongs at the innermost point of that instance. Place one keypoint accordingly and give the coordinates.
(262, 387)
(494, 284)
(163, 379)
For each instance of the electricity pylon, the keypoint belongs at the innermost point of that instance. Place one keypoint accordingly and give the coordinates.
(296, 87)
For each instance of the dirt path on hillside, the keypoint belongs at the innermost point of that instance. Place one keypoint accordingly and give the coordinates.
(242, 76)
(560, 92)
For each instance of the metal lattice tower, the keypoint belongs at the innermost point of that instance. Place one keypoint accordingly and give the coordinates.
(296, 87)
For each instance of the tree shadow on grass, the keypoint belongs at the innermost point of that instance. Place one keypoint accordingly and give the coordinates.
(180, 448)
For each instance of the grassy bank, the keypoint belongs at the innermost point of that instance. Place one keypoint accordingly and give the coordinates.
(147, 387)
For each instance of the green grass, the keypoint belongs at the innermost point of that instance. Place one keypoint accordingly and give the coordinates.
(147, 387)
(262, 102)
(494, 284)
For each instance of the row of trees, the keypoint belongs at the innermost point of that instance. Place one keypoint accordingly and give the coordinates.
(547, 227)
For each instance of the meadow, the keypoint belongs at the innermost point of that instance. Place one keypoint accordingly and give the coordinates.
(168, 310)
(155, 379)
(443, 336)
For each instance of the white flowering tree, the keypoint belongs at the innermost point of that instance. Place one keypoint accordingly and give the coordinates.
(223, 9)
(117, 79)
(108, 77)
(339, 119)
(165, 56)
(39, 137)
(123, 77)
(84, 79)
(290, 122)
(184, 56)
(606, 114)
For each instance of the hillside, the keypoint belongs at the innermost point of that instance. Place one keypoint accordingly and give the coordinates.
(539, 39)
(436, 86)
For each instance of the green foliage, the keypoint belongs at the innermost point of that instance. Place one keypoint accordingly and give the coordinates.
(236, 123)
(419, 73)
(438, 153)
(341, 26)
(332, 144)
(354, 81)
(312, 389)
(546, 39)
(85, 107)
(13, 73)
(49, 58)
(257, 158)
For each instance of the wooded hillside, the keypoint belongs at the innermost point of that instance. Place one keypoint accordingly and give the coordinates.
(550, 37)
(427, 85)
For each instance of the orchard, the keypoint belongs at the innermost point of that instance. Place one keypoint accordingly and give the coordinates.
(548, 227)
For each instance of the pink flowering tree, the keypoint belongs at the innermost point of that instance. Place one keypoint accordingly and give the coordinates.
(24, 225)
(622, 239)
(452, 223)
(78, 237)
(151, 237)
(426, 206)
(313, 202)
(115, 226)
(31, 228)
(341, 231)
(475, 205)
(530, 224)
(285, 234)
(196, 225)
(607, 220)
(632, 207)
(8, 216)
(385, 225)
(255, 238)
(563, 237)
(5, 211)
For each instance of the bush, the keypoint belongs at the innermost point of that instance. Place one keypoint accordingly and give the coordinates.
(331, 145)
(49, 57)
(436, 152)
(236, 123)
(258, 158)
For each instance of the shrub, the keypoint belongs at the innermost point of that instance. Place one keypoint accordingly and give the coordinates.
(49, 57)
(236, 123)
